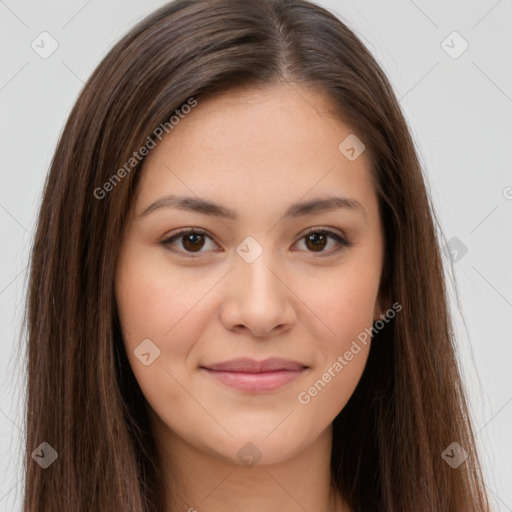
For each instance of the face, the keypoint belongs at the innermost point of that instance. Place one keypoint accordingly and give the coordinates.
(254, 280)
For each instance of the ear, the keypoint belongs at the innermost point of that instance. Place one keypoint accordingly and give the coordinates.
(382, 304)
(377, 310)
(384, 295)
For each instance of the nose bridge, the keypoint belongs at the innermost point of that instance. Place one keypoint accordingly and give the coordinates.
(253, 264)
(257, 298)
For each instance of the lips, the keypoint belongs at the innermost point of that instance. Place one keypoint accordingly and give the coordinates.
(247, 365)
(252, 376)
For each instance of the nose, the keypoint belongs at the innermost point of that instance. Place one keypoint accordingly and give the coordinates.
(258, 299)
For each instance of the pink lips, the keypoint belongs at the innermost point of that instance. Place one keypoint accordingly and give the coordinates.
(255, 376)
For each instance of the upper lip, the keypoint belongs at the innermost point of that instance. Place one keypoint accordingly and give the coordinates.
(252, 366)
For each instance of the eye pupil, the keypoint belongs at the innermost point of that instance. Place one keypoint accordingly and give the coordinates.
(192, 242)
(193, 239)
(315, 238)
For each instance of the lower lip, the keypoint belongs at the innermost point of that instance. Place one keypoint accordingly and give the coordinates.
(256, 382)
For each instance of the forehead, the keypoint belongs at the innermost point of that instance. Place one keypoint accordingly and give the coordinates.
(274, 144)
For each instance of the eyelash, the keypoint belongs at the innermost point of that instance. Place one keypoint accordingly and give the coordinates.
(343, 243)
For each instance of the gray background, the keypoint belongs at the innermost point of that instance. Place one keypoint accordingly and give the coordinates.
(459, 111)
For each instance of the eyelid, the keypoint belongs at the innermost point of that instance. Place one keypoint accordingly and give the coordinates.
(342, 240)
(325, 229)
(184, 231)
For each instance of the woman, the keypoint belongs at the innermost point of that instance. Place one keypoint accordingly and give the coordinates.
(236, 295)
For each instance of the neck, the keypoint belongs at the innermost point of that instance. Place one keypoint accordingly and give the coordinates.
(198, 480)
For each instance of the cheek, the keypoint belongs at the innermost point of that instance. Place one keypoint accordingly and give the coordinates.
(342, 353)
(328, 390)
(161, 315)
(344, 304)
(152, 296)
(161, 306)
(345, 312)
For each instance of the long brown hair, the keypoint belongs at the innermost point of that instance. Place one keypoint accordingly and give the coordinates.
(82, 397)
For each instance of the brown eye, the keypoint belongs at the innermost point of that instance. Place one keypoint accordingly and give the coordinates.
(192, 242)
(316, 241)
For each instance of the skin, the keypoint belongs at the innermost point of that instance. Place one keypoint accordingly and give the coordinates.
(257, 152)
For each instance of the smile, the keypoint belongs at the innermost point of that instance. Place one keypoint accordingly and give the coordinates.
(255, 382)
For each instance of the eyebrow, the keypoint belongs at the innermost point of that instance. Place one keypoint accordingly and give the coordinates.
(206, 207)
